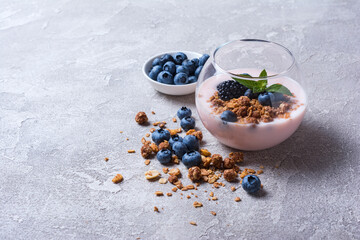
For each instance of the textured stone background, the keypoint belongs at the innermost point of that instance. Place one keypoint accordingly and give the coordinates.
(71, 80)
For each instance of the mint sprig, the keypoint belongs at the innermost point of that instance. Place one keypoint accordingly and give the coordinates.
(260, 86)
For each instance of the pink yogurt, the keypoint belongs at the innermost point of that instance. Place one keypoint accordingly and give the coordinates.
(246, 136)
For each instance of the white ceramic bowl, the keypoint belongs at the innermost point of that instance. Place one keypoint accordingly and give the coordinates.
(167, 88)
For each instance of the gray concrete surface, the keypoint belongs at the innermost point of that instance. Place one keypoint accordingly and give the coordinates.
(71, 80)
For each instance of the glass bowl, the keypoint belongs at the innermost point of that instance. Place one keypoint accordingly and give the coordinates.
(263, 118)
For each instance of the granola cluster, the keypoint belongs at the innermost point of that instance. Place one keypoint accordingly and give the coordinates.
(251, 111)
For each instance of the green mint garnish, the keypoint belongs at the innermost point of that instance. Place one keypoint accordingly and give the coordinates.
(260, 86)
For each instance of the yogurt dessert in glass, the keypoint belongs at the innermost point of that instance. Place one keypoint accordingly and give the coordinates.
(248, 94)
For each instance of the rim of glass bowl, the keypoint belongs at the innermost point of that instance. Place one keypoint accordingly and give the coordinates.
(293, 62)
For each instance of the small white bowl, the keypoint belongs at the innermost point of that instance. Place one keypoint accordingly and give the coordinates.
(167, 88)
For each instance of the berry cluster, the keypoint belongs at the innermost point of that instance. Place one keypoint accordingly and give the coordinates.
(177, 69)
(185, 148)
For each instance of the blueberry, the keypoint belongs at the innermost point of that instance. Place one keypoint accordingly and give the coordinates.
(197, 71)
(179, 148)
(190, 65)
(196, 62)
(170, 67)
(192, 79)
(191, 159)
(251, 183)
(181, 79)
(279, 96)
(203, 59)
(228, 116)
(156, 61)
(182, 69)
(179, 57)
(248, 93)
(266, 98)
(184, 112)
(165, 58)
(155, 72)
(160, 135)
(165, 77)
(191, 142)
(164, 156)
(175, 138)
(187, 123)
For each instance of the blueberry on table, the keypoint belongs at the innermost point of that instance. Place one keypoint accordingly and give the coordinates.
(154, 72)
(191, 159)
(179, 149)
(175, 138)
(190, 65)
(179, 57)
(248, 93)
(165, 58)
(228, 116)
(192, 79)
(196, 62)
(170, 67)
(164, 156)
(156, 61)
(191, 142)
(160, 135)
(184, 112)
(165, 77)
(266, 98)
(251, 183)
(203, 59)
(182, 69)
(181, 79)
(197, 71)
(187, 123)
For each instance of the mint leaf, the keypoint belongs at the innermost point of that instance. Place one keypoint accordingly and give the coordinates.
(263, 74)
(247, 83)
(279, 88)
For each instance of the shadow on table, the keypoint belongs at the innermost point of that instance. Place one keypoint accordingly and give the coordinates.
(312, 148)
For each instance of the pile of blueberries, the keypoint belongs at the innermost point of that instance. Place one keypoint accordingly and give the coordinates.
(185, 148)
(177, 69)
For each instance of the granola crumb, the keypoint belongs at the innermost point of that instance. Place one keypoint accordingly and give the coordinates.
(131, 151)
(261, 186)
(147, 162)
(121, 131)
(146, 151)
(213, 213)
(127, 139)
(174, 120)
(147, 134)
(163, 180)
(258, 172)
(152, 130)
(261, 166)
(214, 198)
(165, 170)
(152, 175)
(197, 204)
(174, 189)
(230, 175)
(106, 159)
(159, 193)
(169, 194)
(175, 172)
(156, 209)
(141, 118)
(194, 173)
(205, 152)
(156, 123)
(211, 194)
(152, 112)
(118, 178)
(233, 189)
(237, 199)
(188, 197)
(193, 223)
